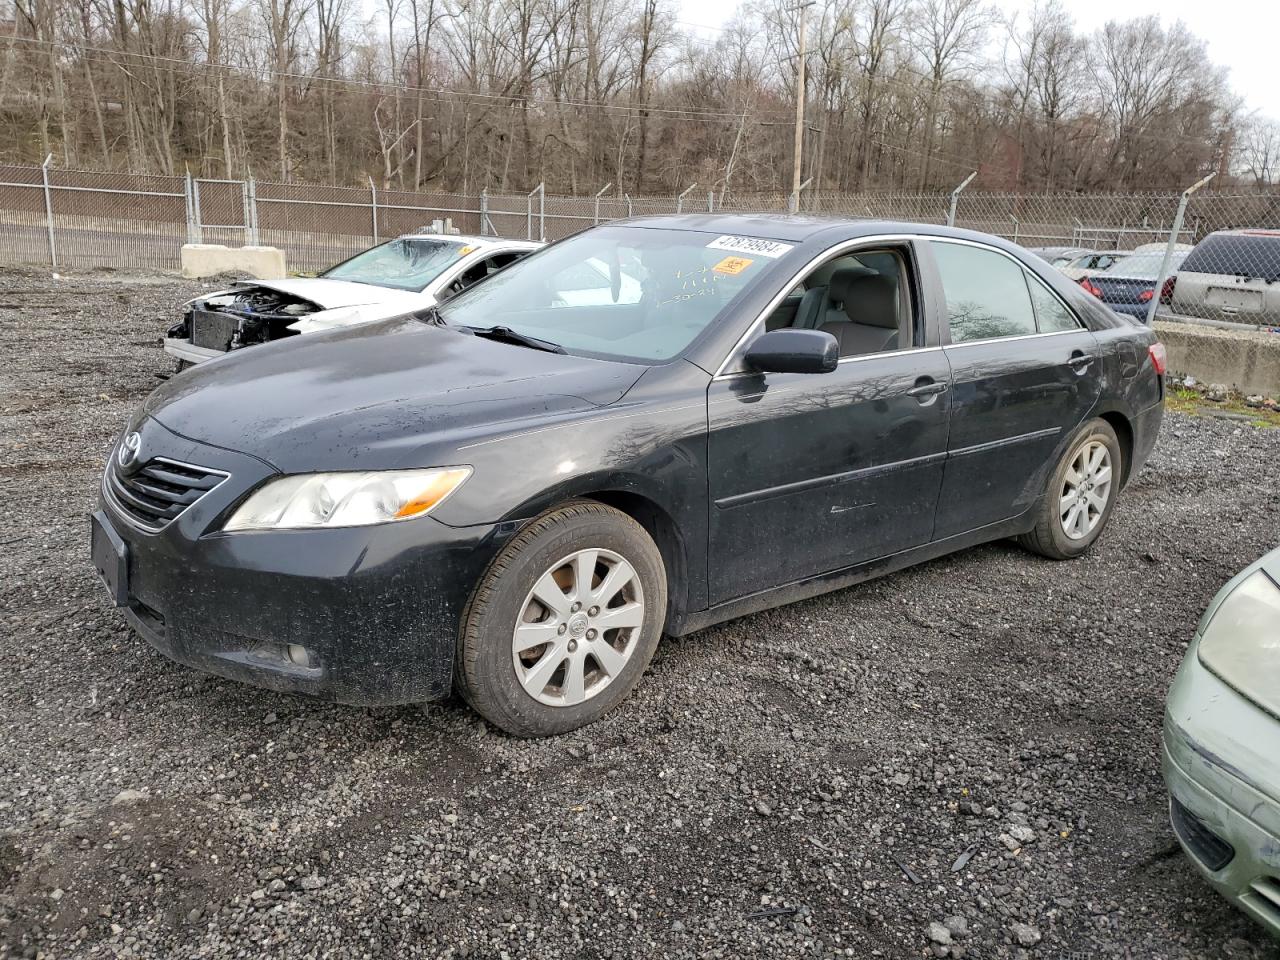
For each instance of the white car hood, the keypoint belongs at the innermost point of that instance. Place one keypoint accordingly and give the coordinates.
(333, 294)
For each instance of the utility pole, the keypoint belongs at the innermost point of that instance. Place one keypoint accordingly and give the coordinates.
(799, 143)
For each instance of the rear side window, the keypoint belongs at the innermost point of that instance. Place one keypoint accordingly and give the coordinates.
(1243, 255)
(986, 294)
(1052, 314)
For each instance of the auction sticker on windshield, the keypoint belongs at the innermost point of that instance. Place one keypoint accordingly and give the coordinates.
(732, 265)
(763, 248)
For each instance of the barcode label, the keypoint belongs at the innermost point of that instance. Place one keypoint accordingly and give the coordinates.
(761, 248)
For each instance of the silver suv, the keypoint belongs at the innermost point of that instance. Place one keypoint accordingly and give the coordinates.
(1231, 275)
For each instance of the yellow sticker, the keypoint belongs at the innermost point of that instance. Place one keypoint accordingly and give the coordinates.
(464, 251)
(732, 265)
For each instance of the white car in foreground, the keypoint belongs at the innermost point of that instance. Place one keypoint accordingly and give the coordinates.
(410, 273)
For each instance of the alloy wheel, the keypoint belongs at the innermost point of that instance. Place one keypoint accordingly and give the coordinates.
(578, 627)
(1086, 490)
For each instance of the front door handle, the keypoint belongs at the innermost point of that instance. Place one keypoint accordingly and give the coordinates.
(929, 388)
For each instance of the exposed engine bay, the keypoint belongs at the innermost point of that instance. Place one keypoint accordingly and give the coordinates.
(241, 318)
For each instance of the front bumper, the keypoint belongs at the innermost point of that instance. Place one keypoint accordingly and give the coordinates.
(1221, 768)
(377, 609)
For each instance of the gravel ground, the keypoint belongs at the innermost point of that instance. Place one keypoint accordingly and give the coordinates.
(842, 777)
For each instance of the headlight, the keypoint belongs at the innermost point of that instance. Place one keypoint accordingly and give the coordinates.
(346, 499)
(1241, 641)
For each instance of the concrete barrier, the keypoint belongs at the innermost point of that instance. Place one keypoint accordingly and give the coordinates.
(211, 259)
(1246, 361)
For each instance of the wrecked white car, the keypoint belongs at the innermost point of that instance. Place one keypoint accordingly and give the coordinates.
(406, 274)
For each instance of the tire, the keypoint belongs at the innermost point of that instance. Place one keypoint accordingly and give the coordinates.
(1050, 536)
(541, 691)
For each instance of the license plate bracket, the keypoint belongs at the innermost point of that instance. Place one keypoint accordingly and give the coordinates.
(110, 557)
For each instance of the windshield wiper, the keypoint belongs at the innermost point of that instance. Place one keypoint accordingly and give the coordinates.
(507, 335)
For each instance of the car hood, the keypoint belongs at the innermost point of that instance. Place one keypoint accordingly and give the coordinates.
(332, 294)
(378, 395)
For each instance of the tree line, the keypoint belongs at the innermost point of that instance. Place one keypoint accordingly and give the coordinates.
(464, 95)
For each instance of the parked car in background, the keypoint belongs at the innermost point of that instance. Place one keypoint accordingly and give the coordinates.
(410, 273)
(1098, 261)
(1160, 247)
(518, 494)
(1058, 256)
(1130, 284)
(1231, 275)
(1221, 754)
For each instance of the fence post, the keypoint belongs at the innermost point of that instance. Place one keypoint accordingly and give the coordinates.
(541, 190)
(1015, 228)
(955, 199)
(680, 197)
(254, 237)
(599, 194)
(1154, 305)
(711, 201)
(484, 211)
(191, 222)
(48, 210)
(627, 197)
(244, 213)
(373, 203)
(195, 210)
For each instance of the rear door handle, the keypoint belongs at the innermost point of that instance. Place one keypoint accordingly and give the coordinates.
(930, 389)
(1080, 360)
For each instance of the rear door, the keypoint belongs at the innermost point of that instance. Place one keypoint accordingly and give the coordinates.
(1025, 373)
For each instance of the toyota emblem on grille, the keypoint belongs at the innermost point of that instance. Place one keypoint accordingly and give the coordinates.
(128, 451)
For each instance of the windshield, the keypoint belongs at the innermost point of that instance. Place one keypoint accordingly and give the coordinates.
(1144, 266)
(622, 293)
(409, 263)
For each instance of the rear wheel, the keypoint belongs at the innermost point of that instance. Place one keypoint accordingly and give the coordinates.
(1081, 494)
(564, 622)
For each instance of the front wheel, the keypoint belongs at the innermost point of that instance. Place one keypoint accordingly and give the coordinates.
(1081, 494)
(564, 622)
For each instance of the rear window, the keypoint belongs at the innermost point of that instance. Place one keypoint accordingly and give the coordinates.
(1241, 255)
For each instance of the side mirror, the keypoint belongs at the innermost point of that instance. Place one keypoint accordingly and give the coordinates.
(793, 351)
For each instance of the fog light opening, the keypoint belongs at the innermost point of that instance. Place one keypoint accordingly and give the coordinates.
(299, 656)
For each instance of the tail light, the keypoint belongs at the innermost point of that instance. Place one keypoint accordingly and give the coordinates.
(1089, 287)
(1158, 358)
(1166, 291)
(1145, 296)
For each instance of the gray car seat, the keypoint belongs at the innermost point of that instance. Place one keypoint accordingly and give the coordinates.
(814, 305)
(866, 318)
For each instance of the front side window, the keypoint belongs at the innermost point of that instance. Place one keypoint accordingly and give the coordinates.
(986, 294)
(628, 293)
(409, 263)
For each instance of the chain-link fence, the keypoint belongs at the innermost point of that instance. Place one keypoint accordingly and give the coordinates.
(1209, 258)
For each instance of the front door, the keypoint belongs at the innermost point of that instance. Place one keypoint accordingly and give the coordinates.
(809, 473)
(1025, 373)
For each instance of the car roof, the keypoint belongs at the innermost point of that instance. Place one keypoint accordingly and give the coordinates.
(471, 240)
(800, 228)
(1246, 232)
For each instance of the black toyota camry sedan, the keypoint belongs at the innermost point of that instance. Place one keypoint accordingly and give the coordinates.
(644, 429)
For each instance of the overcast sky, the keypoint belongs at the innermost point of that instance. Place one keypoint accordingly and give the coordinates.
(1243, 35)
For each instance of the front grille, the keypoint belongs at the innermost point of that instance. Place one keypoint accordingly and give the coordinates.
(156, 494)
(1205, 845)
(212, 329)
